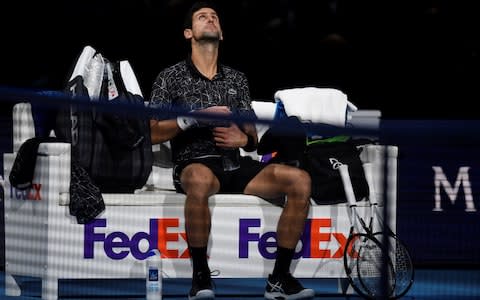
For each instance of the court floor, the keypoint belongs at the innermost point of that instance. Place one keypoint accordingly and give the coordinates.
(429, 284)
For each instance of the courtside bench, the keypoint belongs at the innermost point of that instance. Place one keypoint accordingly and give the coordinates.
(43, 240)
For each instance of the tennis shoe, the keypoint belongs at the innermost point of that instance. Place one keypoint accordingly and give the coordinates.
(286, 287)
(201, 286)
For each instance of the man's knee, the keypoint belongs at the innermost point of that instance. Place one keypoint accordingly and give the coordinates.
(197, 178)
(299, 180)
(301, 188)
(304, 181)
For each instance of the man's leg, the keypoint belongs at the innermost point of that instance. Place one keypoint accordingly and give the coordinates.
(276, 180)
(199, 183)
(273, 181)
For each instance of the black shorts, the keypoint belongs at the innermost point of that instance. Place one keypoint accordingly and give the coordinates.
(231, 182)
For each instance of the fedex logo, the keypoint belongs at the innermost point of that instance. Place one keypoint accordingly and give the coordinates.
(32, 193)
(310, 240)
(117, 245)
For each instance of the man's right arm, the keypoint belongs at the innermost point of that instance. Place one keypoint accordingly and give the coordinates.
(166, 127)
(164, 130)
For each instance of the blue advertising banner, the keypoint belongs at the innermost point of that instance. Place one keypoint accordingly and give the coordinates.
(438, 205)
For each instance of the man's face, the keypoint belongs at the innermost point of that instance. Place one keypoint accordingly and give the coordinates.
(206, 25)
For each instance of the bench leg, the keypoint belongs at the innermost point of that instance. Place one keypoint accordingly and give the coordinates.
(49, 288)
(11, 286)
(344, 286)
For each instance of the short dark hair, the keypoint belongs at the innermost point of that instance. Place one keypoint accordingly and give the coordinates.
(196, 6)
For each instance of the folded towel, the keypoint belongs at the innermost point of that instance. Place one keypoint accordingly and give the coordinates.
(317, 105)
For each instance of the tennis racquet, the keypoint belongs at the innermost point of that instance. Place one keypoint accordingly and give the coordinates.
(369, 270)
(398, 253)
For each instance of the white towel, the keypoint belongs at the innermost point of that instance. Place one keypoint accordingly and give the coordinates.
(264, 111)
(90, 65)
(129, 78)
(317, 105)
(87, 53)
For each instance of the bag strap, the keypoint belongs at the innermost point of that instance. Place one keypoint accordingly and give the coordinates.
(333, 139)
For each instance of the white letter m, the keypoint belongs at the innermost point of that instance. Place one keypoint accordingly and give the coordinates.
(442, 181)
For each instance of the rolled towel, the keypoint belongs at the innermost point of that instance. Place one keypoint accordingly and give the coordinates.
(317, 105)
(264, 110)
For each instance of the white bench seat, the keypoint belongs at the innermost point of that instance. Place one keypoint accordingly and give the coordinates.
(43, 240)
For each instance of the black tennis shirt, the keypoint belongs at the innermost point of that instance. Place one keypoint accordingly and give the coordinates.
(183, 87)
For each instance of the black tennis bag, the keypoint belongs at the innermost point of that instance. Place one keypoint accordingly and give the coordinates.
(109, 141)
(320, 158)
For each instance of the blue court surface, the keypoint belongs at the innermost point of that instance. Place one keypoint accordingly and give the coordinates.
(429, 284)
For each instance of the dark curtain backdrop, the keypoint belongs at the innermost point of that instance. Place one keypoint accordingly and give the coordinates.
(409, 59)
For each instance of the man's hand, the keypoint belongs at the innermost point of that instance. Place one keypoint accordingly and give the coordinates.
(229, 137)
(185, 122)
(214, 110)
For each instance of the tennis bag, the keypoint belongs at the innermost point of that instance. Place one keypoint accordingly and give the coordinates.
(319, 157)
(112, 144)
(321, 160)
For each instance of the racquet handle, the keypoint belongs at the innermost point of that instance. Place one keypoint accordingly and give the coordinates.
(368, 169)
(347, 185)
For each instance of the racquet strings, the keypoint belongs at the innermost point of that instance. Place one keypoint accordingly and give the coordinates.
(351, 256)
(403, 266)
(371, 267)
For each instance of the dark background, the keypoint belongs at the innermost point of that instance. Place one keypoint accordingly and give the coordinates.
(409, 59)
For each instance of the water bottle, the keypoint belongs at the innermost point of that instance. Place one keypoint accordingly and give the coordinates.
(154, 275)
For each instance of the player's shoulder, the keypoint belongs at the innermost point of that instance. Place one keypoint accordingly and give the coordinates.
(232, 72)
(174, 70)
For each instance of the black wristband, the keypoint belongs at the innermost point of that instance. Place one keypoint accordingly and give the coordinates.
(250, 146)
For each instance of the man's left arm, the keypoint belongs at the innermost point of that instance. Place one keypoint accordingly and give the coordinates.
(246, 110)
(236, 137)
(250, 131)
